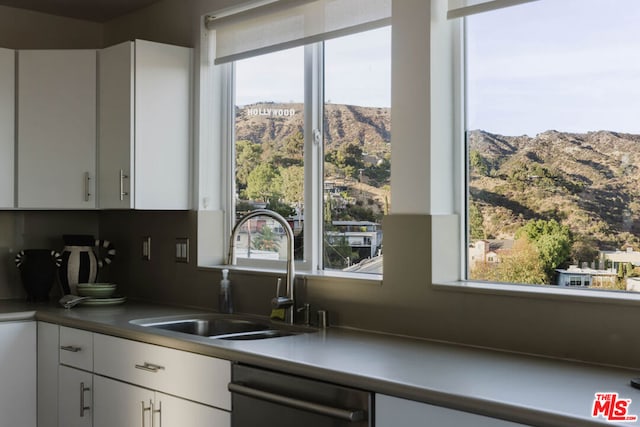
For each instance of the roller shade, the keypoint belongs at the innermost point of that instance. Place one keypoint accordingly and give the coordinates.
(288, 23)
(460, 8)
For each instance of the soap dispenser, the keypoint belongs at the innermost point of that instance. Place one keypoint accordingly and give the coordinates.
(225, 304)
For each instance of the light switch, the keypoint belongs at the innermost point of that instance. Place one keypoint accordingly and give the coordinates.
(182, 249)
(146, 248)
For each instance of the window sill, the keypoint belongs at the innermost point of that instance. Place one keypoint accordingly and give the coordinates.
(542, 292)
(373, 279)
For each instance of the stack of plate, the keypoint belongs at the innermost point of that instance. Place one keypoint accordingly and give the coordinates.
(99, 293)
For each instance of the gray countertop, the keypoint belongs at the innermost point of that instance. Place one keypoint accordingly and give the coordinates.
(527, 389)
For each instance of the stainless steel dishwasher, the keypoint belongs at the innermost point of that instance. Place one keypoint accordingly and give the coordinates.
(266, 398)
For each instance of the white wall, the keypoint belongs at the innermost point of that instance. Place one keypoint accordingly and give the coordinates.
(22, 29)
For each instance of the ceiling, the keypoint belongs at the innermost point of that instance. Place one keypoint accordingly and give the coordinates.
(89, 10)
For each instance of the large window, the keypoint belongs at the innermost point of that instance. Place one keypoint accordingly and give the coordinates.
(312, 142)
(553, 139)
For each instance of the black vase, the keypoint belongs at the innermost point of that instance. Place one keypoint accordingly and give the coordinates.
(38, 269)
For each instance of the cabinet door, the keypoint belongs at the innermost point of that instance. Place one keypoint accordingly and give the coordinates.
(7, 126)
(120, 404)
(75, 398)
(56, 128)
(18, 374)
(115, 135)
(176, 412)
(395, 412)
(48, 337)
(163, 126)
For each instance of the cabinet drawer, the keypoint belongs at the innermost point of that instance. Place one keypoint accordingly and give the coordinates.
(191, 376)
(76, 348)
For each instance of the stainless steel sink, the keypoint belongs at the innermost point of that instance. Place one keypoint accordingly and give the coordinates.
(222, 326)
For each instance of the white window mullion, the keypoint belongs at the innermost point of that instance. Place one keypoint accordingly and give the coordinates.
(314, 155)
(227, 130)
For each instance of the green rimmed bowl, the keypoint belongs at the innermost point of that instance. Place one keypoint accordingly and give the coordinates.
(96, 290)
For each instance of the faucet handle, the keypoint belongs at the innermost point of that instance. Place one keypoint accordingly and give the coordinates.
(278, 287)
(306, 309)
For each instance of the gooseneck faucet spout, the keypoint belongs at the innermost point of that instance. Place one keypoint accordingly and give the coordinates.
(290, 278)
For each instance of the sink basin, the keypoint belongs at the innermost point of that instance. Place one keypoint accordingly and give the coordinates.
(222, 326)
(208, 327)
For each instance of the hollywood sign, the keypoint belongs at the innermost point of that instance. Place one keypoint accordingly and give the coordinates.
(271, 112)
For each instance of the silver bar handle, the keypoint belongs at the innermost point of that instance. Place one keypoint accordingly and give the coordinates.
(71, 348)
(150, 367)
(156, 411)
(145, 410)
(318, 408)
(123, 176)
(87, 189)
(83, 407)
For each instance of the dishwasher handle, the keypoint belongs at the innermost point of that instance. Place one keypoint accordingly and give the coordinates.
(318, 408)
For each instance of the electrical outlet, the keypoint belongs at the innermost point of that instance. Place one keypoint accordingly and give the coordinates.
(182, 249)
(146, 248)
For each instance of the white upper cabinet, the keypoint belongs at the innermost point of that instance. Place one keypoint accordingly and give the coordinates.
(144, 126)
(7, 127)
(56, 129)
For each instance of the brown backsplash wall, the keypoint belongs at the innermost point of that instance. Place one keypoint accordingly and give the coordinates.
(162, 279)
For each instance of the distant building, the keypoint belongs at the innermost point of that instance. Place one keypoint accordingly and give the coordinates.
(633, 284)
(614, 258)
(488, 251)
(585, 277)
(364, 237)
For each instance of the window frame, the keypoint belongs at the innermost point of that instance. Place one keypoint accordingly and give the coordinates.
(312, 264)
(449, 277)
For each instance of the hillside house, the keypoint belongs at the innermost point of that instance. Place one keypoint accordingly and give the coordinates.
(576, 276)
(615, 258)
(487, 251)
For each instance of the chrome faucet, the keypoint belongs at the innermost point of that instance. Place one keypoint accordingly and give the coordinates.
(287, 302)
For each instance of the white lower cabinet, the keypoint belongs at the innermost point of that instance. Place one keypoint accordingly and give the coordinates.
(395, 412)
(95, 380)
(18, 366)
(121, 404)
(75, 403)
(48, 355)
(179, 373)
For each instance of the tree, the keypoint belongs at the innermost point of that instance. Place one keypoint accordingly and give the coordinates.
(348, 158)
(266, 240)
(476, 228)
(281, 207)
(584, 249)
(552, 241)
(247, 158)
(521, 264)
(339, 254)
(478, 163)
(292, 184)
(294, 146)
(264, 183)
(380, 173)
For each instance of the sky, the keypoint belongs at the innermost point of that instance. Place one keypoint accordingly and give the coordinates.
(357, 72)
(566, 65)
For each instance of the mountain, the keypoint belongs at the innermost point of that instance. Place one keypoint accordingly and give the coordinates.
(588, 181)
(357, 150)
(266, 122)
